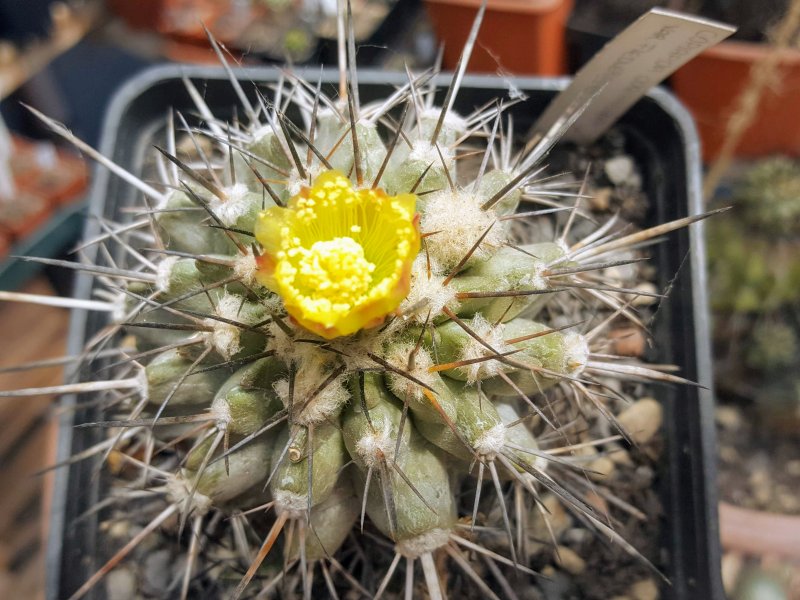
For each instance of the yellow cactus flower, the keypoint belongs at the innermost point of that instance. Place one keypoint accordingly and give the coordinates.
(339, 258)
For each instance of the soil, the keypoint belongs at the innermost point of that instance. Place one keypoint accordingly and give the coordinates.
(758, 468)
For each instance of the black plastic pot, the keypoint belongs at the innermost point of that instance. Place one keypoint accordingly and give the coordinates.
(661, 137)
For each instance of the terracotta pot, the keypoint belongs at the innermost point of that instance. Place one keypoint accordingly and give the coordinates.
(5, 244)
(521, 36)
(138, 14)
(710, 84)
(24, 216)
(759, 533)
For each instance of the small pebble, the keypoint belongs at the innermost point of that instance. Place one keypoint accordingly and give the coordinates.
(559, 586)
(568, 559)
(761, 484)
(577, 536)
(642, 419)
(619, 169)
(158, 569)
(118, 529)
(647, 288)
(603, 467)
(729, 454)
(601, 199)
(793, 467)
(787, 499)
(644, 590)
(559, 519)
(644, 475)
(728, 418)
(730, 567)
(121, 584)
(597, 501)
(627, 341)
(619, 455)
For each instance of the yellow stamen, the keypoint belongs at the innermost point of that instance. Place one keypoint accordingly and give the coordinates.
(340, 258)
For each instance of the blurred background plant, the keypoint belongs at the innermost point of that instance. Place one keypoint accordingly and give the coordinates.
(754, 271)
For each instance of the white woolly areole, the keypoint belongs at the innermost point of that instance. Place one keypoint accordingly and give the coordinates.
(492, 335)
(459, 221)
(576, 350)
(221, 413)
(296, 183)
(319, 405)
(537, 281)
(397, 355)
(144, 386)
(237, 204)
(119, 313)
(282, 344)
(427, 294)
(423, 543)
(354, 350)
(245, 267)
(293, 504)
(164, 272)
(261, 132)
(425, 152)
(225, 337)
(178, 491)
(491, 442)
(452, 120)
(375, 446)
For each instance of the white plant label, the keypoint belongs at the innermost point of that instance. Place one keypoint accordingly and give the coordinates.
(644, 54)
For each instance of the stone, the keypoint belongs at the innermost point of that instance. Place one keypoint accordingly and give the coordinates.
(627, 341)
(646, 288)
(728, 418)
(642, 419)
(597, 501)
(730, 568)
(577, 536)
(558, 518)
(158, 569)
(729, 454)
(793, 467)
(761, 485)
(601, 199)
(121, 584)
(568, 559)
(601, 468)
(644, 590)
(619, 455)
(619, 170)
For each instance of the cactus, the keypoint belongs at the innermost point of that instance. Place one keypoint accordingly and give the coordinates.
(754, 260)
(333, 320)
(754, 253)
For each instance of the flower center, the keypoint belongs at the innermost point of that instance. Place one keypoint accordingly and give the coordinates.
(335, 271)
(339, 257)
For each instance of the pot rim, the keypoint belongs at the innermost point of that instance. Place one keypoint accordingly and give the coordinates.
(737, 50)
(513, 6)
(697, 535)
